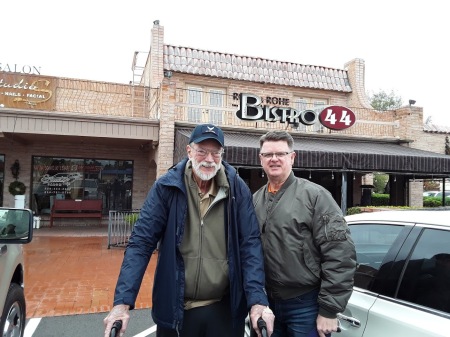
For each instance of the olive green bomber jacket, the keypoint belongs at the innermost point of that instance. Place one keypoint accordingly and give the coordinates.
(307, 244)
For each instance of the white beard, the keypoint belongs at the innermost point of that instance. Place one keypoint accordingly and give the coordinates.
(204, 176)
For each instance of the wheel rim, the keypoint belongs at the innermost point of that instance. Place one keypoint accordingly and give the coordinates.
(13, 324)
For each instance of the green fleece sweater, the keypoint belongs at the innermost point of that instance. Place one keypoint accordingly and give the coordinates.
(204, 243)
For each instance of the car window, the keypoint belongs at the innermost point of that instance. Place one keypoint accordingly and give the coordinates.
(372, 243)
(14, 224)
(426, 280)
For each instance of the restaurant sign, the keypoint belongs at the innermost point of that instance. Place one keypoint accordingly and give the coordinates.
(333, 117)
(26, 91)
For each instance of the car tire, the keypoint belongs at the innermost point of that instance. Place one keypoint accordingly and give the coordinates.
(13, 317)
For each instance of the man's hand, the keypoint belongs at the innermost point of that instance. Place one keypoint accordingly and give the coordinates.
(326, 325)
(267, 315)
(119, 312)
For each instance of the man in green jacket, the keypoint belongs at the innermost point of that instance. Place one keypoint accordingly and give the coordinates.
(309, 256)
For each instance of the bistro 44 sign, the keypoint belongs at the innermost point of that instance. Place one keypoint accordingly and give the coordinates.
(333, 117)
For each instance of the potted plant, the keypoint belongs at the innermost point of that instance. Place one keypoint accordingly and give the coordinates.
(17, 188)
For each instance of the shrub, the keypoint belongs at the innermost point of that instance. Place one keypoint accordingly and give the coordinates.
(380, 199)
(354, 210)
(132, 218)
(435, 202)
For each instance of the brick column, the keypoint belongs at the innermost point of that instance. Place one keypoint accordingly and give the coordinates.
(356, 76)
(154, 71)
(166, 127)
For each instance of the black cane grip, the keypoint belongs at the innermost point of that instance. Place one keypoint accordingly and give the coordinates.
(262, 326)
(117, 325)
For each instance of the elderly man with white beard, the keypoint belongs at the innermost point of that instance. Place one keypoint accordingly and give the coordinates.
(210, 270)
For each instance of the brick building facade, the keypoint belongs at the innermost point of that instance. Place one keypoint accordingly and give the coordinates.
(128, 135)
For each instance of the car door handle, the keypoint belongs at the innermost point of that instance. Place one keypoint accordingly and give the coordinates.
(353, 321)
(3, 249)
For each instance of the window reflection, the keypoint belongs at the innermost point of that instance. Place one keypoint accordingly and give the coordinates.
(81, 178)
(426, 280)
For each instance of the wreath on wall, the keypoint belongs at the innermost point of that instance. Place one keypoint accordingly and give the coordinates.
(17, 188)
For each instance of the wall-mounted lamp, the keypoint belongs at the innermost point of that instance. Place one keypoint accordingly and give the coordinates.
(412, 102)
(15, 169)
(168, 74)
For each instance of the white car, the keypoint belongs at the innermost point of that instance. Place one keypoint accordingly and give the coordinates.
(437, 194)
(16, 228)
(402, 281)
(61, 178)
(430, 193)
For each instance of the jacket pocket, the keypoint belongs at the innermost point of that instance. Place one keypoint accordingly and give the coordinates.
(213, 279)
(311, 260)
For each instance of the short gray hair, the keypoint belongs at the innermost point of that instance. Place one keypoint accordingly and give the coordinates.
(274, 136)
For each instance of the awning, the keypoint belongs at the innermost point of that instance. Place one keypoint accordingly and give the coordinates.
(338, 154)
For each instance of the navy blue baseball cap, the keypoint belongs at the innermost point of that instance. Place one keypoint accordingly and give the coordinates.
(207, 131)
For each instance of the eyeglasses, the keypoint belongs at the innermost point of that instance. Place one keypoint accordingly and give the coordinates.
(204, 153)
(278, 155)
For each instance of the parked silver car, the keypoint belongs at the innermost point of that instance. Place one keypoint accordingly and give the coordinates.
(16, 228)
(402, 281)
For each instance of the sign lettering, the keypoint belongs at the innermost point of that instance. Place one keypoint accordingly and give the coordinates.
(24, 69)
(252, 108)
(23, 91)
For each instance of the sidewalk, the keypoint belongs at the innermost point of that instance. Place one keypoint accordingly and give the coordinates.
(70, 270)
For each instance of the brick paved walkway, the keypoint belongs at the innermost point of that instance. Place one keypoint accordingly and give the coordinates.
(71, 271)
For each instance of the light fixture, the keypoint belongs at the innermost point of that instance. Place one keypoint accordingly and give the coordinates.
(354, 176)
(309, 174)
(395, 179)
(168, 74)
(412, 102)
(262, 173)
(332, 175)
(15, 169)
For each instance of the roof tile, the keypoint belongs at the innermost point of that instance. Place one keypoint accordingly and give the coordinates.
(433, 128)
(196, 61)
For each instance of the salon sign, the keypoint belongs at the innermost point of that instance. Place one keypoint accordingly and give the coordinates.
(27, 91)
(332, 116)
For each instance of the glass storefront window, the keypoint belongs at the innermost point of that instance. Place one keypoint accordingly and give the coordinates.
(81, 178)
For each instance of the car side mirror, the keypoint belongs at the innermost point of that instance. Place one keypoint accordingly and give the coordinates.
(16, 225)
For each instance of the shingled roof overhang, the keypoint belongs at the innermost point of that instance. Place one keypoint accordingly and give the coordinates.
(242, 149)
(230, 66)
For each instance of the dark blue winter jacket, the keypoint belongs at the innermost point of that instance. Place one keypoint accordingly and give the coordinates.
(163, 216)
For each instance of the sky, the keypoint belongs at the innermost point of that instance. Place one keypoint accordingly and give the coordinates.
(404, 44)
